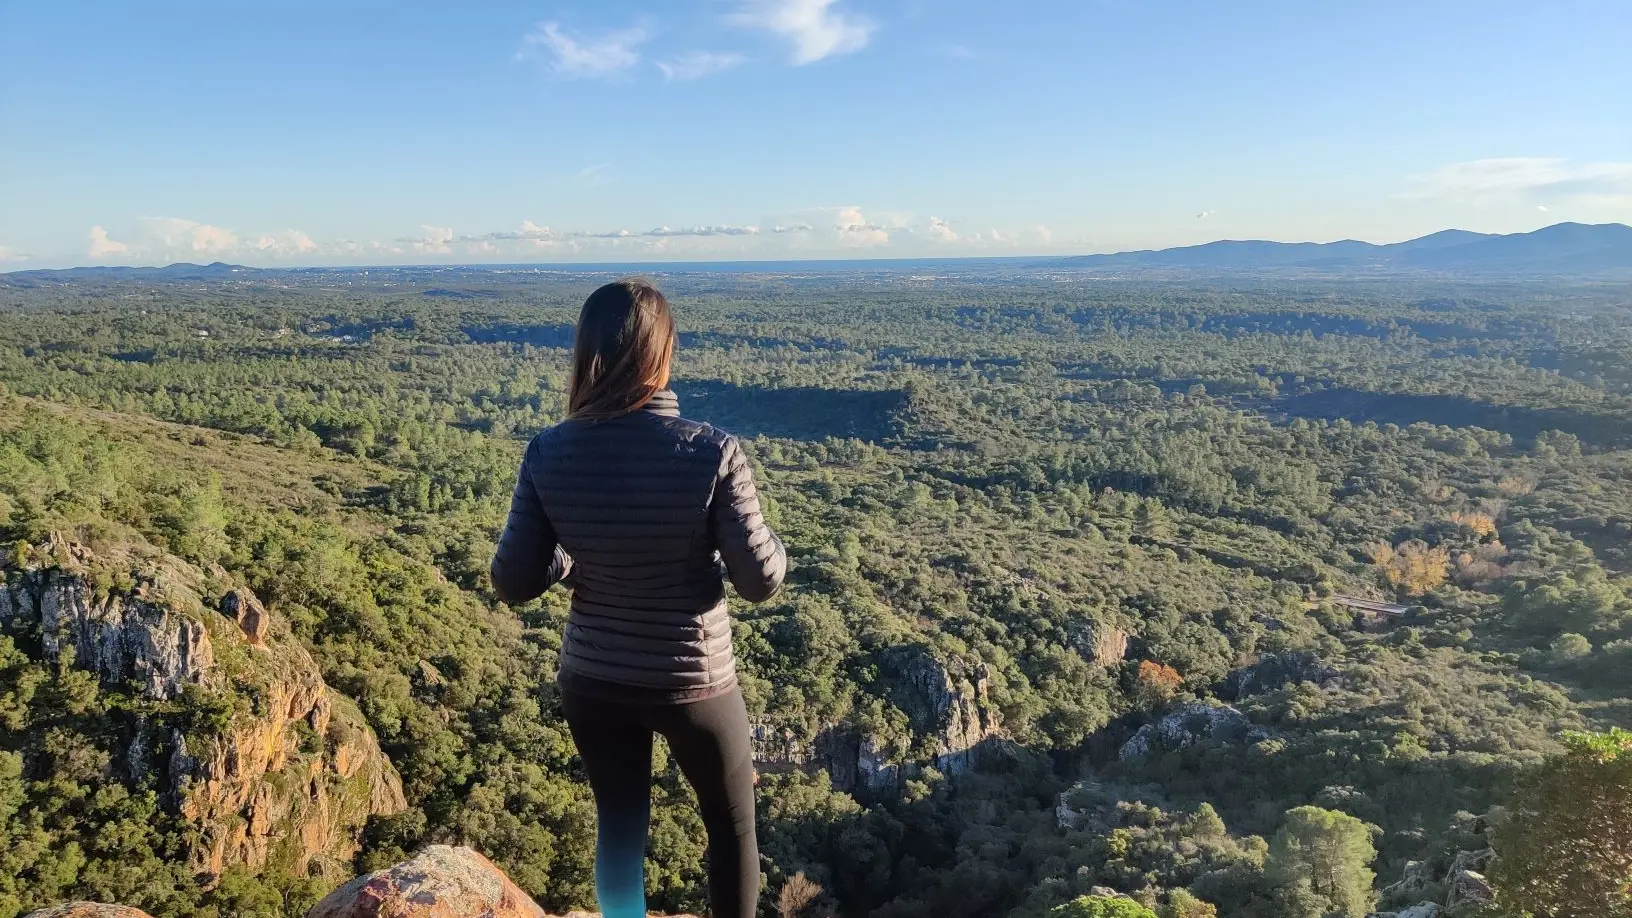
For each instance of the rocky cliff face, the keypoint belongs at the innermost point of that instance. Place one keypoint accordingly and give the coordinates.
(948, 713)
(290, 772)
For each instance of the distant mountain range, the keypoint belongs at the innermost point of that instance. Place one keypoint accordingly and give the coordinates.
(1563, 248)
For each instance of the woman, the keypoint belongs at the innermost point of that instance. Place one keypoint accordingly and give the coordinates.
(636, 508)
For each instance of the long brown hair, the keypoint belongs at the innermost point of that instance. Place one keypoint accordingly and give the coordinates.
(622, 353)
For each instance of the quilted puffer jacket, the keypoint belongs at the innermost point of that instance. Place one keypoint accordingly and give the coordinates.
(638, 514)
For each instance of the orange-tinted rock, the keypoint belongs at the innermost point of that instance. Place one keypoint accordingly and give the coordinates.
(439, 882)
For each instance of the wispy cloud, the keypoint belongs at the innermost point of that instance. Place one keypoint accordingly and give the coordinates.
(813, 231)
(578, 57)
(594, 175)
(1205, 214)
(532, 232)
(7, 253)
(959, 52)
(697, 64)
(1520, 177)
(434, 240)
(815, 28)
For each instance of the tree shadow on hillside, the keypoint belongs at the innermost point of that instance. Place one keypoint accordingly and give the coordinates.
(803, 413)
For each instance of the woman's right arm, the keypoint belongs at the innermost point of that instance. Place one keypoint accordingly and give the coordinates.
(753, 555)
(528, 559)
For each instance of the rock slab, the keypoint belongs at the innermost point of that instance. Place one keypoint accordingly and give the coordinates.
(88, 910)
(440, 882)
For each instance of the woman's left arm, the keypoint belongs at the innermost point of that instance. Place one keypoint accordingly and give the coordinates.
(529, 560)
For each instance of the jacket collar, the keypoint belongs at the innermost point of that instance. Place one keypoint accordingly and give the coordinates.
(663, 402)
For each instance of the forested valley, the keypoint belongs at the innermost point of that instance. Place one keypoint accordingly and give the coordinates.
(1274, 598)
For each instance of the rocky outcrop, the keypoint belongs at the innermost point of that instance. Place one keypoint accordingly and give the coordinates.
(242, 607)
(1420, 910)
(440, 882)
(88, 910)
(1099, 643)
(949, 715)
(1275, 671)
(1191, 723)
(945, 703)
(132, 636)
(270, 765)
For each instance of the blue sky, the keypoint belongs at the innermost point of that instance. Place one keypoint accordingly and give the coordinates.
(371, 132)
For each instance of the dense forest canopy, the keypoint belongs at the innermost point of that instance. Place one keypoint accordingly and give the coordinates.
(1116, 526)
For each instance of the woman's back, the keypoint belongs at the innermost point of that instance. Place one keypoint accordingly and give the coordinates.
(646, 505)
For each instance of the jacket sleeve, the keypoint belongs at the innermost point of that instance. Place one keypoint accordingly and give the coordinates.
(753, 555)
(529, 560)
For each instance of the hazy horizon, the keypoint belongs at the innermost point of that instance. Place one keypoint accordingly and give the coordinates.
(784, 130)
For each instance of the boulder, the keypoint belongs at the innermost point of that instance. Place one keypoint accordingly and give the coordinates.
(242, 607)
(439, 882)
(88, 910)
(1420, 910)
(1415, 880)
(1468, 886)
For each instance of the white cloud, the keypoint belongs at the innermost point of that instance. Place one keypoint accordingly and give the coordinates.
(579, 57)
(856, 230)
(815, 29)
(285, 243)
(434, 241)
(102, 247)
(174, 234)
(696, 64)
(7, 253)
(1541, 207)
(811, 232)
(1509, 178)
(1205, 214)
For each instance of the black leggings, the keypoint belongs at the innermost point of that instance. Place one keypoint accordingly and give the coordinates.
(710, 742)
